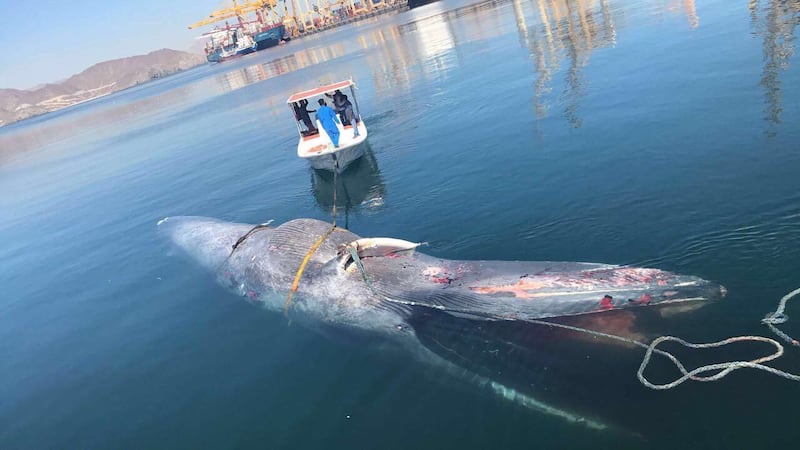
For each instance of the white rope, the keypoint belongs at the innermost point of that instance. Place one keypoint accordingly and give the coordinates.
(721, 369)
(778, 317)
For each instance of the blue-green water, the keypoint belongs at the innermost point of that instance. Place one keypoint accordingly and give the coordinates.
(651, 132)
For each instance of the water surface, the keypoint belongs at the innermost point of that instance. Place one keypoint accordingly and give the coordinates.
(649, 132)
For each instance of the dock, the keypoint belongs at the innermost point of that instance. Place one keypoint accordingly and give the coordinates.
(297, 17)
(398, 6)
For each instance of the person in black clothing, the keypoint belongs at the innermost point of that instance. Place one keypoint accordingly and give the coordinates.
(347, 112)
(339, 105)
(336, 96)
(301, 112)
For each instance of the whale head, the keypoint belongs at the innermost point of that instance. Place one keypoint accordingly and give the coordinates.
(206, 241)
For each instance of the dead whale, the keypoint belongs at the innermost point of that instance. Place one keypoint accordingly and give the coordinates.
(384, 292)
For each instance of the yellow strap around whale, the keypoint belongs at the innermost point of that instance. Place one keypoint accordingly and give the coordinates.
(299, 274)
(302, 268)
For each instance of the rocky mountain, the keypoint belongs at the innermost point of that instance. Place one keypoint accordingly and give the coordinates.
(100, 79)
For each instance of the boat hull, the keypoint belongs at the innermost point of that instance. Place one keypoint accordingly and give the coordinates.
(269, 38)
(219, 56)
(345, 156)
(318, 149)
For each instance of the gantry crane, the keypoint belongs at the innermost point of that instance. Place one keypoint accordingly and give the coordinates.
(240, 10)
(297, 21)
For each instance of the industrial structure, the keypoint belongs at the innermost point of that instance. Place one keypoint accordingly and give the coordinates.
(298, 17)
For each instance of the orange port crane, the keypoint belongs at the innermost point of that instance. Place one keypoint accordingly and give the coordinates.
(238, 10)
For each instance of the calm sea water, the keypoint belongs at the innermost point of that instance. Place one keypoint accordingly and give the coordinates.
(657, 132)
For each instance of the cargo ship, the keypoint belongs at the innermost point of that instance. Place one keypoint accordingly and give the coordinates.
(270, 37)
(230, 42)
(224, 44)
(244, 36)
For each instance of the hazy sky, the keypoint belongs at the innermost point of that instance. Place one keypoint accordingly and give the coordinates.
(49, 40)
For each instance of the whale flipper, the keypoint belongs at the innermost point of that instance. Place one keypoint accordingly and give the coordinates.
(545, 369)
(448, 361)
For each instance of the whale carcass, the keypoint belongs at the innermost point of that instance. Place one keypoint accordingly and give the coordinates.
(386, 292)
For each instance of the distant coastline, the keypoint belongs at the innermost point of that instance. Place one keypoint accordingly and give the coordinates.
(97, 81)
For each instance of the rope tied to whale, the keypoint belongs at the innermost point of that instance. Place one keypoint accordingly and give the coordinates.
(771, 320)
(299, 274)
(721, 369)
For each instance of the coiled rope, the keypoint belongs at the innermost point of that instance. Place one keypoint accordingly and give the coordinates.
(778, 317)
(721, 369)
(772, 319)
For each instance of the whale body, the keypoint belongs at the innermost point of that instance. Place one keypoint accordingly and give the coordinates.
(385, 292)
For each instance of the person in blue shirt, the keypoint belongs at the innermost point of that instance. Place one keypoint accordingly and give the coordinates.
(327, 117)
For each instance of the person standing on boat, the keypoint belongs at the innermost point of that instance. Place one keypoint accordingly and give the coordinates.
(339, 104)
(327, 118)
(301, 111)
(349, 116)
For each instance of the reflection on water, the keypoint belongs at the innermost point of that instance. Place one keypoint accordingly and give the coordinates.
(427, 41)
(43, 135)
(775, 21)
(302, 58)
(559, 36)
(435, 40)
(691, 13)
(360, 186)
(568, 29)
(391, 59)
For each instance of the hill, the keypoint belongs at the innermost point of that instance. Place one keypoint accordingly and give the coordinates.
(98, 80)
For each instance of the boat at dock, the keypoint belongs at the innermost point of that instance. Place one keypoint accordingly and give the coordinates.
(274, 24)
(315, 145)
(245, 36)
(227, 43)
(270, 36)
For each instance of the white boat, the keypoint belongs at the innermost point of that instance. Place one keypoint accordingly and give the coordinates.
(315, 145)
